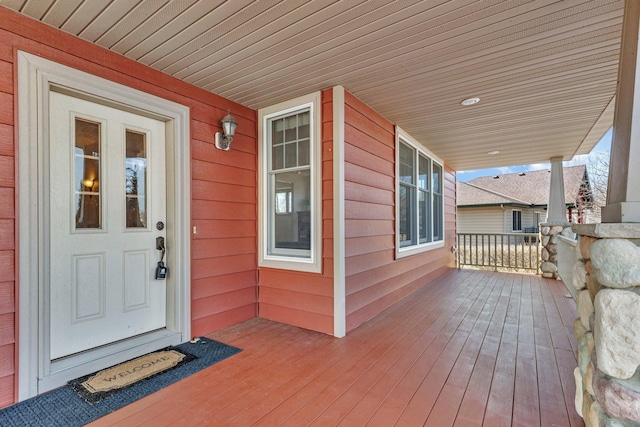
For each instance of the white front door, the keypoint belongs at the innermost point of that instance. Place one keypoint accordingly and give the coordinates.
(107, 199)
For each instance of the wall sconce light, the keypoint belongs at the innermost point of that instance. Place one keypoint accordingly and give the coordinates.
(224, 138)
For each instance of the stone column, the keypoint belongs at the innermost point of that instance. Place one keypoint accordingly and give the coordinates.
(607, 279)
(549, 233)
(623, 195)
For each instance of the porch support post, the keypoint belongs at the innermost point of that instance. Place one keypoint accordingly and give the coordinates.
(623, 195)
(556, 209)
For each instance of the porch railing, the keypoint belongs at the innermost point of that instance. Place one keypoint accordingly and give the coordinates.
(503, 251)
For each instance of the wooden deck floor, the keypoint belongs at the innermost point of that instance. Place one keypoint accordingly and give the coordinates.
(472, 348)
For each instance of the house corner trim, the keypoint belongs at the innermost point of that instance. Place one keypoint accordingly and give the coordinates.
(339, 280)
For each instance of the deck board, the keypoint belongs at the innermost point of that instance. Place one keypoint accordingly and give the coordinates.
(472, 348)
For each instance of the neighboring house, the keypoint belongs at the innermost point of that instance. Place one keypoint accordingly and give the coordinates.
(517, 202)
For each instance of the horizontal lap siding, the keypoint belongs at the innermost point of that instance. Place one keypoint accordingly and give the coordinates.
(375, 280)
(481, 220)
(223, 184)
(306, 299)
(8, 217)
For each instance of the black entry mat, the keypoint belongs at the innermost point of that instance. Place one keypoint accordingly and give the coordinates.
(64, 407)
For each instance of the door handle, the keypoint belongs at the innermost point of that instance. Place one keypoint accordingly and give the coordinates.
(161, 269)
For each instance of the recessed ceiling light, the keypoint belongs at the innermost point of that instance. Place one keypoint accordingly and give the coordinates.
(493, 153)
(470, 101)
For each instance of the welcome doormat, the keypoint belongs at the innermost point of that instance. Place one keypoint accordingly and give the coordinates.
(95, 387)
(63, 407)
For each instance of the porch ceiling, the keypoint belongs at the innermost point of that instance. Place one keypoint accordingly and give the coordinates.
(545, 70)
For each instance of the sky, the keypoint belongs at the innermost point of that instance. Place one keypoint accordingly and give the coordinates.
(603, 146)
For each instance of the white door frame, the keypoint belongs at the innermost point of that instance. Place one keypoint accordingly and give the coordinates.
(36, 77)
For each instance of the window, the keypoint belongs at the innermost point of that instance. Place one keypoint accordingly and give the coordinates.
(420, 206)
(516, 220)
(290, 204)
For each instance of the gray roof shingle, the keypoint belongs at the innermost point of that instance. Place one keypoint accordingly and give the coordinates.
(528, 188)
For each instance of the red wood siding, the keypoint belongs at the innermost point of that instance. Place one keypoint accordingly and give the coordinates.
(306, 299)
(375, 280)
(8, 216)
(223, 183)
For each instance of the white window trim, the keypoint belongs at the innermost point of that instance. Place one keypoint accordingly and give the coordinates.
(420, 247)
(313, 264)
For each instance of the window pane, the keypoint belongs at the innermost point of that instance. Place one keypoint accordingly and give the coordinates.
(423, 172)
(407, 163)
(303, 125)
(407, 212)
(277, 131)
(136, 180)
(87, 175)
(438, 226)
(291, 128)
(424, 216)
(277, 157)
(290, 155)
(437, 178)
(303, 152)
(291, 192)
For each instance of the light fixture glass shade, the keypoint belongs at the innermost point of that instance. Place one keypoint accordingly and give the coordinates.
(229, 125)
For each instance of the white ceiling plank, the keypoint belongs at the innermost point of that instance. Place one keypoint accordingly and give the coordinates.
(140, 16)
(172, 31)
(154, 23)
(599, 74)
(209, 31)
(167, 52)
(60, 12)
(36, 9)
(311, 33)
(284, 29)
(13, 4)
(515, 61)
(338, 45)
(464, 81)
(108, 17)
(390, 43)
(262, 24)
(83, 16)
(407, 66)
(260, 93)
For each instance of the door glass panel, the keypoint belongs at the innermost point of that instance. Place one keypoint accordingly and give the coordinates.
(87, 175)
(136, 179)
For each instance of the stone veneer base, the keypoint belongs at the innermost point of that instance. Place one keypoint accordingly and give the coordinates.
(608, 330)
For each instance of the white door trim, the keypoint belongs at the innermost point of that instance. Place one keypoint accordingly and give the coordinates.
(36, 77)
